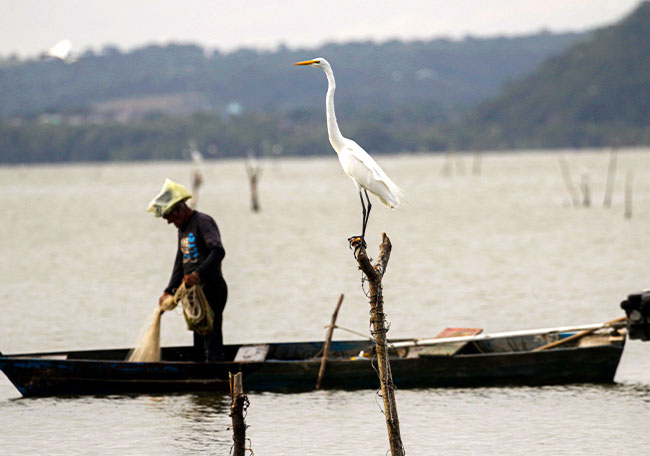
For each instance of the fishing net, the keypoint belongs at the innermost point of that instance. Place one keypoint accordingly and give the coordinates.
(148, 347)
(198, 317)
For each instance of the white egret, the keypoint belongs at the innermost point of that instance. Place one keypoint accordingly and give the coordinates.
(357, 164)
(61, 51)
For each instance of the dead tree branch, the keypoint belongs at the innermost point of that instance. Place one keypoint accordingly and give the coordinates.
(375, 274)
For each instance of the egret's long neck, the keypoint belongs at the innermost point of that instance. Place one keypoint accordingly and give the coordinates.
(336, 138)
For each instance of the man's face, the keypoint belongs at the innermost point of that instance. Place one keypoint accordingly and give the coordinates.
(175, 216)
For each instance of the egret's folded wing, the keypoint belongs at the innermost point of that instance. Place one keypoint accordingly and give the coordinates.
(364, 169)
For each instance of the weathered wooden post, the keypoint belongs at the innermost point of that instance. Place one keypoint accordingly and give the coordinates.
(254, 171)
(328, 340)
(564, 166)
(629, 177)
(476, 163)
(585, 188)
(375, 274)
(446, 168)
(196, 176)
(611, 174)
(197, 181)
(239, 402)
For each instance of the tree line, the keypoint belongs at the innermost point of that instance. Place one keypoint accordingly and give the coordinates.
(592, 94)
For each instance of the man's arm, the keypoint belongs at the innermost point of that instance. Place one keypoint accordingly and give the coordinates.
(212, 239)
(212, 262)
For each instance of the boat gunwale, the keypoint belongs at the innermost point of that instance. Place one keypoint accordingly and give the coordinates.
(50, 356)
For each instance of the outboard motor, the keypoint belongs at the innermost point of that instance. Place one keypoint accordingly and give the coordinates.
(637, 309)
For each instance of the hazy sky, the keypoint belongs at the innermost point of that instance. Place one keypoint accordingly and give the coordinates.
(28, 27)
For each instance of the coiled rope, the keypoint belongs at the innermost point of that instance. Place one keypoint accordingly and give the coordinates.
(198, 313)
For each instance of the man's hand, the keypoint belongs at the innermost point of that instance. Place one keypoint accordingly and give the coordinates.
(163, 297)
(191, 279)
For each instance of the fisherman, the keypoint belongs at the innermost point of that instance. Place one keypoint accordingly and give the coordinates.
(198, 260)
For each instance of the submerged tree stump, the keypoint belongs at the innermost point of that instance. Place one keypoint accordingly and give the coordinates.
(375, 274)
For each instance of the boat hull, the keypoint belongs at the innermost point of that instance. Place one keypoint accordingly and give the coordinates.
(48, 376)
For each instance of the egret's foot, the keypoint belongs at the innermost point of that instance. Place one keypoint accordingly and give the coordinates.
(357, 242)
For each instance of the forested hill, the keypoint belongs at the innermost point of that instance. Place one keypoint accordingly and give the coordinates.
(560, 91)
(181, 79)
(596, 93)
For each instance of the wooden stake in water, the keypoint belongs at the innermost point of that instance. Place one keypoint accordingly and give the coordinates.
(585, 187)
(629, 176)
(566, 175)
(237, 414)
(611, 174)
(197, 180)
(476, 163)
(196, 175)
(328, 340)
(375, 274)
(254, 171)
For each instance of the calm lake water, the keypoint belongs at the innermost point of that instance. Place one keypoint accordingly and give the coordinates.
(83, 264)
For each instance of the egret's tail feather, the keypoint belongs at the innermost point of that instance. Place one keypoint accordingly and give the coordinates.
(402, 195)
(393, 198)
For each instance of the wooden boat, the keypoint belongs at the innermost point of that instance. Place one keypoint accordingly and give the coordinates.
(470, 361)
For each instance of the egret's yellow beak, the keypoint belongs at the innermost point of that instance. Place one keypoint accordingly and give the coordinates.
(306, 62)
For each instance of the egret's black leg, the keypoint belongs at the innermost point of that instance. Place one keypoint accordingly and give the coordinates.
(363, 217)
(364, 220)
(366, 215)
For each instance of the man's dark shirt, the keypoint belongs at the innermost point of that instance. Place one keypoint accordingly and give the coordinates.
(199, 249)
